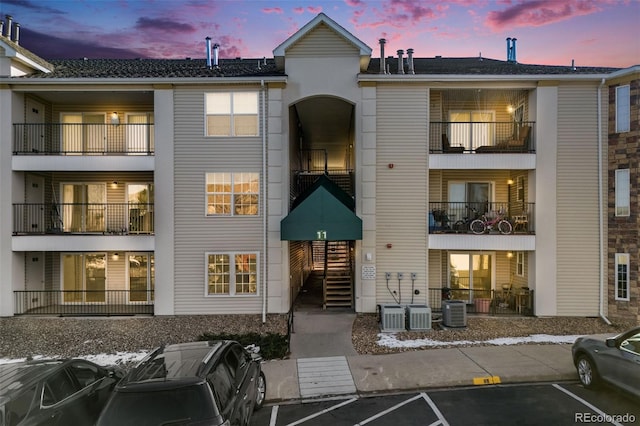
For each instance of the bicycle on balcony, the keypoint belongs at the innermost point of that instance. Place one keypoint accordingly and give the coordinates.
(464, 224)
(488, 221)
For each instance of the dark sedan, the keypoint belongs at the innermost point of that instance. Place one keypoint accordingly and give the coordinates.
(54, 392)
(615, 361)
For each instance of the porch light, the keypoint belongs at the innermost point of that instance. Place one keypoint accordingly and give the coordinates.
(115, 256)
(510, 182)
(115, 119)
(509, 254)
(114, 184)
(510, 109)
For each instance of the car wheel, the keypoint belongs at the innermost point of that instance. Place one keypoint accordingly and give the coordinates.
(587, 372)
(261, 391)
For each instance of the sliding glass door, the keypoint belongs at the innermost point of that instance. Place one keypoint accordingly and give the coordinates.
(470, 275)
(84, 278)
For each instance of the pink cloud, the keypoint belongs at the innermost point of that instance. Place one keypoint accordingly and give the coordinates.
(269, 10)
(298, 10)
(314, 9)
(355, 3)
(540, 12)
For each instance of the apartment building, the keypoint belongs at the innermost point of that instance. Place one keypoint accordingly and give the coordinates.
(624, 182)
(219, 186)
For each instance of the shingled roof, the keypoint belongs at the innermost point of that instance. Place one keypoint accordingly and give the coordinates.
(481, 66)
(157, 68)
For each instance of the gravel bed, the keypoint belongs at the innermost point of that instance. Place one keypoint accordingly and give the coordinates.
(67, 337)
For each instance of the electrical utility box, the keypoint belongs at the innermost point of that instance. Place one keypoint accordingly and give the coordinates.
(392, 317)
(454, 313)
(419, 317)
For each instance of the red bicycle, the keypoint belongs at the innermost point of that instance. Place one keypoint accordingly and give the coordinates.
(485, 224)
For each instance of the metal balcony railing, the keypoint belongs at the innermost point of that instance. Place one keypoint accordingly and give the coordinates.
(476, 137)
(81, 218)
(445, 217)
(83, 139)
(84, 302)
(518, 301)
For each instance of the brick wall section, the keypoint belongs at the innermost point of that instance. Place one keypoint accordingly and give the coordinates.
(624, 232)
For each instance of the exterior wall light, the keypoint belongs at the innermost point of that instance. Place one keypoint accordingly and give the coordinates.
(115, 119)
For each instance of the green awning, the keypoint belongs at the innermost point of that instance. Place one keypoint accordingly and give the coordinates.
(324, 212)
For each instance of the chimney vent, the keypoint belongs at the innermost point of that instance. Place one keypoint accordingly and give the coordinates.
(383, 68)
(573, 65)
(1, 27)
(216, 48)
(410, 60)
(208, 41)
(8, 30)
(16, 32)
(511, 49)
(400, 63)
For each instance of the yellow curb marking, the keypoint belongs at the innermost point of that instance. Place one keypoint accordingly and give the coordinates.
(490, 380)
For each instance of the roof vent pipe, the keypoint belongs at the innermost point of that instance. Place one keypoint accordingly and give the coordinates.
(513, 49)
(8, 25)
(400, 63)
(508, 49)
(16, 33)
(216, 46)
(1, 27)
(573, 65)
(410, 59)
(383, 68)
(208, 40)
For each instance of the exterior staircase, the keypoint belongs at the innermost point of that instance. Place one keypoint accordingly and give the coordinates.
(338, 288)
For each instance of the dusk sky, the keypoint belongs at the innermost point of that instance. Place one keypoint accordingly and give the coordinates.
(552, 32)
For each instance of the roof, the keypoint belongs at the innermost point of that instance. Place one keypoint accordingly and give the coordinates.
(24, 54)
(481, 66)
(323, 208)
(157, 68)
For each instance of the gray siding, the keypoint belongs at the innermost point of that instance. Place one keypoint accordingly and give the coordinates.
(401, 203)
(322, 41)
(195, 233)
(577, 214)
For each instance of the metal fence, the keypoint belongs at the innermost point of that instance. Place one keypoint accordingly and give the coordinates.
(493, 302)
(456, 217)
(83, 302)
(469, 136)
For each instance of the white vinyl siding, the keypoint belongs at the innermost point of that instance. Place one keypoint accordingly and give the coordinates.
(322, 41)
(622, 276)
(401, 191)
(623, 108)
(195, 233)
(577, 202)
(622, 192)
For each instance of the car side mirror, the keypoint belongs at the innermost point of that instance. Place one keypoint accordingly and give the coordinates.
(611, 342)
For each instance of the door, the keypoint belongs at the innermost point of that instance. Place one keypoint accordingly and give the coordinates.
(471, 274)
(141, 267)
(84, 207)
(83, 133)
(84, 277)
(472, 129)
(34, 212)
(475, 195)
(34, 140)
(139, 133)
(140, 201)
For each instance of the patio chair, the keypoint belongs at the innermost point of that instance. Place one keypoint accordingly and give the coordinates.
(447, 148)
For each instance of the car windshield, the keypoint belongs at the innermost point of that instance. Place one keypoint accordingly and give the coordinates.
(181, 406)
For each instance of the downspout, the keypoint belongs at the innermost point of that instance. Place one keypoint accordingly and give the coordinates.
(600, 210)
(264, 203)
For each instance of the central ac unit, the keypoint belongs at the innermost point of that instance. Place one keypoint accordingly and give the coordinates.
(454, 313)
(392, 317)
(419, 317)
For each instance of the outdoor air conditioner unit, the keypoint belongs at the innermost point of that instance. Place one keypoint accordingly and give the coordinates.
(419, 317)
(454, 313)
(392, 317)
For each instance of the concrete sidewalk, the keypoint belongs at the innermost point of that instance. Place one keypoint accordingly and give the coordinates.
(324, 363)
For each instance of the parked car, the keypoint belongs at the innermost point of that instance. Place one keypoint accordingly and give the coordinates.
(615, 361)
(54, 392)
(196, 383)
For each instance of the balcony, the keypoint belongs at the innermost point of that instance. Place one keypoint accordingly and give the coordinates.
(456, 218)
(482, 137)
(516, 301)
(83, 139)
(83, 218)
(84, 302)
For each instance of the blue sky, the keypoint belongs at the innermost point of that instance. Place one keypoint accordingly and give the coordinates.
(591, 32)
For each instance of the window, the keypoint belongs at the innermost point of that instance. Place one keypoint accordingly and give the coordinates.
(622, 276)
(139, 133)
(622, 192)
(83, 133)
(232, 194)
(472, 129)
(520, 188)
(57, 387)
(232, 274)
(520, 263)
(84, 277)
(83, 207)
(232, 114)
(141, 277)
(623, 109)
(140, 197)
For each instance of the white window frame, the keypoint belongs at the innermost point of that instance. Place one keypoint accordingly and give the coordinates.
(622, 192)
(232, 275)
(621, 277)
(139, 135)
(520, 188)
(231, 110)
(232, 194)
(150, 277)
(520, 263)
(623, 108)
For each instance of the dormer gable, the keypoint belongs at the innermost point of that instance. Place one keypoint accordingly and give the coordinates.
(16, 61)
(322, 36)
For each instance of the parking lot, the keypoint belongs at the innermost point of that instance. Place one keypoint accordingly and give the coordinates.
(544, 404)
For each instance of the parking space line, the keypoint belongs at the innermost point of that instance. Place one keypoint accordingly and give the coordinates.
(387, 411)
(587, 403)
(326, 410)
(274, 415)
(437, 412)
